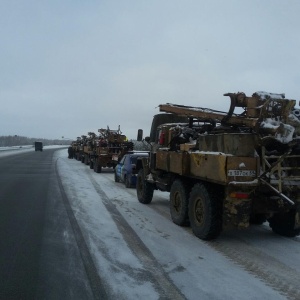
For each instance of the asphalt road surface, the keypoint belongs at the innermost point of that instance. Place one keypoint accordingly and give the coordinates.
(39, 256)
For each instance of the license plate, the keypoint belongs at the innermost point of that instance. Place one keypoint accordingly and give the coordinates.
(246, 173)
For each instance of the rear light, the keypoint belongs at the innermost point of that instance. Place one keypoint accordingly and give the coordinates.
(239, 195)
(162, 138)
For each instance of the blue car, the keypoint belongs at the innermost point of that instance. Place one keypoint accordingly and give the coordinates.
(125, 169)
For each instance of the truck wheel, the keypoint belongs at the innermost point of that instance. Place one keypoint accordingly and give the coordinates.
(97, 168)
(86, 159)
(144, 189)
(82, 158)
(117, 179)
(128, 181)
(91, 164)
(205, 212)
(257, 219)
(283, 224)
(179, 196)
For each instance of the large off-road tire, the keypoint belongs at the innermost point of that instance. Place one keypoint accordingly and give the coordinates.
(97, 167)
(86, 160)
(128, 181)
(91, 164)
(144, 189)
(179, 199)
(283, 224)
(82, 158)
(205, 212)
(257, 219)
(117, 179)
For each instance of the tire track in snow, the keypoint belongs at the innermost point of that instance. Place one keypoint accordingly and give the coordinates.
(96, 283)
(162, 283)
(265, 267)
(275, 274)
(268, 269)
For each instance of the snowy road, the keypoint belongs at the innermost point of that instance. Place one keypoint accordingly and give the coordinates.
(136, 252)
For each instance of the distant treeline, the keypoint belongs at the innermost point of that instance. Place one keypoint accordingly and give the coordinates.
(16, 140)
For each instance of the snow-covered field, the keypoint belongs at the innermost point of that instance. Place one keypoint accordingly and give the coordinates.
(143, 255)
(7, 151)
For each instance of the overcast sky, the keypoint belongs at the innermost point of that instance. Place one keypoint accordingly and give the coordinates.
(69, 67)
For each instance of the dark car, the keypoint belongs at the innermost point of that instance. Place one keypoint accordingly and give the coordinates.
(125, 169)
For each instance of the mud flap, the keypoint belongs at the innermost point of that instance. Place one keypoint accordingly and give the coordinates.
(236, 213)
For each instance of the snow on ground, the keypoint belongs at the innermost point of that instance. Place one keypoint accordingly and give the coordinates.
(197, 269)
(7, 151)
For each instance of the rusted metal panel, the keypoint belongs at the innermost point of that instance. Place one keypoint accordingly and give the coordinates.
(187, 147)
(231, 143)
(209, 166)
(175, 162)
(162, 160)
(183, 165)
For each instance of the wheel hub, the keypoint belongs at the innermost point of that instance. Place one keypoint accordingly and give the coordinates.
(177, 202)
(199, 211)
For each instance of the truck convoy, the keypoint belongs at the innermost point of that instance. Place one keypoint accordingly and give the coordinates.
(226, 170)
(102, 151)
